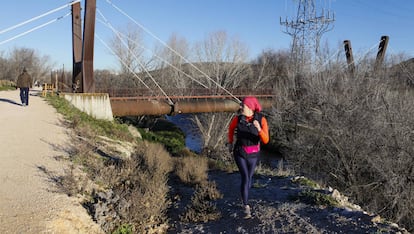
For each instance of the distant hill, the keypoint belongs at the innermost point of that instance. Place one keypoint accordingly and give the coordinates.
(403, 73)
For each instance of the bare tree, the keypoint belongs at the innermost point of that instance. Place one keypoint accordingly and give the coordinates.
(269, 69)
(224, 61)
(106, 80)
(172, 61)
(38, 66)
(129, 48)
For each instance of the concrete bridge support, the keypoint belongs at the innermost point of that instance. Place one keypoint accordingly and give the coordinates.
(96, 105)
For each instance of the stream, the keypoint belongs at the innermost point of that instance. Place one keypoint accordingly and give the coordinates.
(194, 141)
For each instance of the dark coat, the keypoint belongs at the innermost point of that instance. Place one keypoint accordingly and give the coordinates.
(24, 80)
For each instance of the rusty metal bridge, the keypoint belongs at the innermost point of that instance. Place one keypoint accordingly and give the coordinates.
(137, 102)
(140, 102)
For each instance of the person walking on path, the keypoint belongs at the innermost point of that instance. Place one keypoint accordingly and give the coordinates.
(33, 150)
(24, 83)
(251, 129)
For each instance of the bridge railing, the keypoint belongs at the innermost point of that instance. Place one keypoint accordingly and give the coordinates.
(184, 93)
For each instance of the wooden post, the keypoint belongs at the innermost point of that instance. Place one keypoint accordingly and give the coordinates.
(56, 81)
(349, 57)
(381, 52)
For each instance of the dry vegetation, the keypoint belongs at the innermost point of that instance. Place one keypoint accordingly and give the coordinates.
(354, 133)
(129, 192)
(149, 191)
(7, 85)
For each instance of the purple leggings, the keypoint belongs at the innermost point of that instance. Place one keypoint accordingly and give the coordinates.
(246, 167)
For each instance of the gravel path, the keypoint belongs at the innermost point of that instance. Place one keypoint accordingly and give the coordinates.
(31, 138)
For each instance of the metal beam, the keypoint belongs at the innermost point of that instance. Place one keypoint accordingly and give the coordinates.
(138, 107)
(88, 46)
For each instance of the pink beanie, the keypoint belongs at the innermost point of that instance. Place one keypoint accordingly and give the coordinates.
(252, 103)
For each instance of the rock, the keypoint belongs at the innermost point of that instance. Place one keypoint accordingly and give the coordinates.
(135, 133)
(376, 219)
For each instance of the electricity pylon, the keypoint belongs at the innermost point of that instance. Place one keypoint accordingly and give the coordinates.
(306, 31)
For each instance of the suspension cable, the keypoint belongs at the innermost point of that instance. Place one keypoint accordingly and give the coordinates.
(370, 49)
(178, 54)
(122, 61)
(35, 28)
(329, 59)
(38, 17)
(126, 46)
(175, 67)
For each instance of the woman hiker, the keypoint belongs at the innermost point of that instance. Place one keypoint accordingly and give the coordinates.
(251, 130)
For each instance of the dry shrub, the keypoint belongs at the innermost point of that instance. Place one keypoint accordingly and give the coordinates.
(202, 207)
(133, 191)
(191, 169)
(75, 182)
(281, 170)
(122, 190)
(145, 191)
(355, 134)
(7, 83)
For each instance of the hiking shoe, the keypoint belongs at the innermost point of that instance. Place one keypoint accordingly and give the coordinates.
(247, 212)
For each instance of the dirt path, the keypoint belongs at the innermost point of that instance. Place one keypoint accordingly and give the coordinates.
(30, 139)
(273, 211)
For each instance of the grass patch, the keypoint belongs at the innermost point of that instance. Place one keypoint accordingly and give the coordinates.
(7, 88)
(79, 119)
(312, 197)
(7, 85)
(124, 229)
(303, 181)
(174, 142)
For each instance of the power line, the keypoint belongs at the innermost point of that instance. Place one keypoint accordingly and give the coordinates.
(306, 30)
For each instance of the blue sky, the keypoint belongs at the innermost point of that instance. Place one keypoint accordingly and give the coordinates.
(253, 22)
